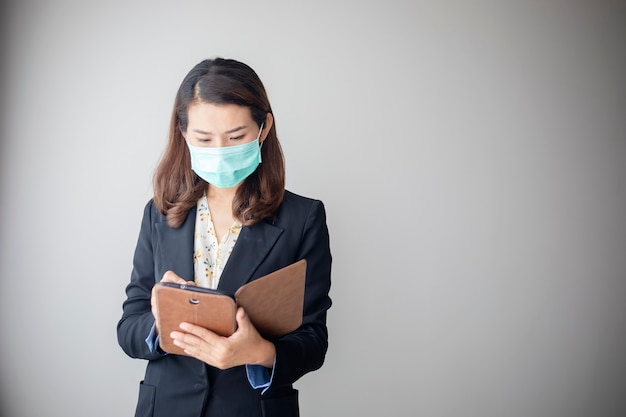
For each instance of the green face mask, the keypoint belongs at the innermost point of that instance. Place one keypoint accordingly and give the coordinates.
(226, 166)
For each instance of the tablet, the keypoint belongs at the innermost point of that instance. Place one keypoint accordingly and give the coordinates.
(274, 303)
(177, 303)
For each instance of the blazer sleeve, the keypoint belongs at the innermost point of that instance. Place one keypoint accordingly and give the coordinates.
(304, 349)
(137, 319)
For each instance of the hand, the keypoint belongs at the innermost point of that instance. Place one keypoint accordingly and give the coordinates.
(169, 276)
(244, 347)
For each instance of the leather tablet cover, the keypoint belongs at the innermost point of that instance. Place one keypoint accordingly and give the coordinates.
(176, 304)
(275, 302)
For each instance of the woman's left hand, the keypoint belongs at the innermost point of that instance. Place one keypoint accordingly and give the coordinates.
(244, 347)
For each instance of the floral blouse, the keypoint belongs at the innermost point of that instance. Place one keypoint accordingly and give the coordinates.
(210, 256)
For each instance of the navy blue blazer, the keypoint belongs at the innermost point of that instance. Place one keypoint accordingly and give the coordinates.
(182, 386)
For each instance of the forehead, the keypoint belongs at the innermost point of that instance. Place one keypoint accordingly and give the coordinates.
(218, 117)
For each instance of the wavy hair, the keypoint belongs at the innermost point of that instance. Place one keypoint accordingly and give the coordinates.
(177, 188)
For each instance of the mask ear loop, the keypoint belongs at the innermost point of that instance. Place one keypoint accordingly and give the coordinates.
(259, 137)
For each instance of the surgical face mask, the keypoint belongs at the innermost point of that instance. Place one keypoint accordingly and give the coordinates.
(226, 166)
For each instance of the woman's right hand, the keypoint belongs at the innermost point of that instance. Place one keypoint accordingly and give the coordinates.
(169, 276)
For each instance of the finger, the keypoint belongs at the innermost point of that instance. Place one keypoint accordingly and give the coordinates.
(171, 276)
(242, 318)
(186, 339)
(205, 334)
(153, 304)
(189, 343)
(196, 347)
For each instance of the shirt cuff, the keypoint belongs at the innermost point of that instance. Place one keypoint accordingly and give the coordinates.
(153, 341)
(260, 377)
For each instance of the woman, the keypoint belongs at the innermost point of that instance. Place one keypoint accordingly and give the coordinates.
(220, 217)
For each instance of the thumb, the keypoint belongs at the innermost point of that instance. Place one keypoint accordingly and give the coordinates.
(171, 276)
(241, 317)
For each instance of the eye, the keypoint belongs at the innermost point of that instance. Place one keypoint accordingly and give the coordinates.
(238, 137)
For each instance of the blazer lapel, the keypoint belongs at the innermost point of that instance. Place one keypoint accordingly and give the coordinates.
(174, 247)
(253, 245)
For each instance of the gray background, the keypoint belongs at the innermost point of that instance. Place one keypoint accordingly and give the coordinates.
(471, 156)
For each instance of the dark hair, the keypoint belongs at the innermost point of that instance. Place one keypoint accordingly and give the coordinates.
(177, 188)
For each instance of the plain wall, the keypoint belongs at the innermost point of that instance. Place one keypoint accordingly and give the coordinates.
(471, 156)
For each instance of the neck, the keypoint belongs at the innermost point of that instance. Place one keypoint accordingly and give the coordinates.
(215, 193)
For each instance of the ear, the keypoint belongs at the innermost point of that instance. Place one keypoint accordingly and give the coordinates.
(269, 121)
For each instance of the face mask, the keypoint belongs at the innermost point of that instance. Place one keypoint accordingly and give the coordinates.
(226, 166)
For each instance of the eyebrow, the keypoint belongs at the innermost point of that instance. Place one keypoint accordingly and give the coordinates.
(202, 132)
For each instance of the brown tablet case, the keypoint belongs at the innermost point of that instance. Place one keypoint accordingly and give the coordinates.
(274, 304)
